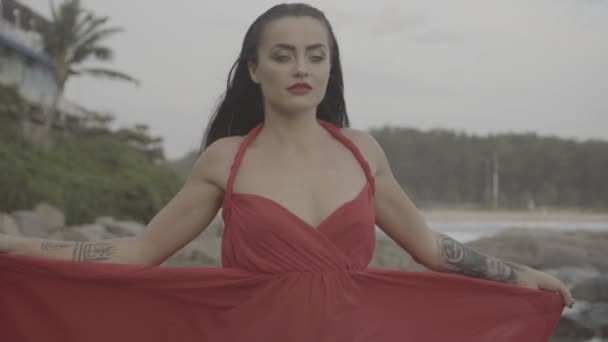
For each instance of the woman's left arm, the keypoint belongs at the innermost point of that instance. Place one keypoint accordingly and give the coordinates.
(399, 218)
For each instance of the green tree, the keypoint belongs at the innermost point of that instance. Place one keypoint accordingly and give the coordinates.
(97, 171)
(12, 105)
(73, 37)
(440, 167)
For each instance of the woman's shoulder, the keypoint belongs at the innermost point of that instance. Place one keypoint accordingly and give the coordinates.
(367, 144)
(224, 147)
(215, 161)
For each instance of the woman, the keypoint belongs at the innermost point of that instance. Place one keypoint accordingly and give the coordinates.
(300, 195)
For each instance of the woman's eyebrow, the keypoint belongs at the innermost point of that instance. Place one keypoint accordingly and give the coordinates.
(293, 48)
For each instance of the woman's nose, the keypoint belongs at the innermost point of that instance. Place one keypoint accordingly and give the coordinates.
(301, 68)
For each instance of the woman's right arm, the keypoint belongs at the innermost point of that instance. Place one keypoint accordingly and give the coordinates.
(179, 222)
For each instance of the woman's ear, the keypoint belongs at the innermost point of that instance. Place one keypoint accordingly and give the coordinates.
(252, 71)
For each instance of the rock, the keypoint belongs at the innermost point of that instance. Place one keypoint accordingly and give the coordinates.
(215, 228)
(589, 315)
(540, 248)
(593, 290)
(93, 232)
(201, 252)
(8, 225)
(68, 235)
(595, 315)
(41, 222)
(204, 251)
(53, 217)
(571, 276)
(199, 261)
(130, 228)
(87, 232)
(122, 228)
(390, 255)
(569, 330)
(105, 220)
(30, 224)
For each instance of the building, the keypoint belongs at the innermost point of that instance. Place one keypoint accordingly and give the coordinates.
(23, 62)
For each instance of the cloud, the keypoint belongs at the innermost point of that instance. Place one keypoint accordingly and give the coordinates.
(342, 19)
(437, 36)
(393, 19)
(475, 65)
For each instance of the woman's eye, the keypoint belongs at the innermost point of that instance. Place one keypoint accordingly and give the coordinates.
(317, 59)
(281, 58)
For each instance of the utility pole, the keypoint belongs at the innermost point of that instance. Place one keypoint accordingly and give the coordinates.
(495, 182)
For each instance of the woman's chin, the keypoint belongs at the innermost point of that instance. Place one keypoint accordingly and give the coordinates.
(300, 105)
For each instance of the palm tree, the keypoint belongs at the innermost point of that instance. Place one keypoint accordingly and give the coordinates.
(75, 36)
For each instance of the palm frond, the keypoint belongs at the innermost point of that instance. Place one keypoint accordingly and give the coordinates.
(83, 22)
(58, 35)
(103, 53)
(87, 48)
(107, 73)
(88, 25)
(69, 12)
(76, 36)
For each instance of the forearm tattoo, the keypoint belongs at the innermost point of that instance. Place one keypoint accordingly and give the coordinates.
(467, 261)
(93, 251)
(54, 245)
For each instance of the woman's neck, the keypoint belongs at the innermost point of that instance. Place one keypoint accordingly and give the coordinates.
(298, 132)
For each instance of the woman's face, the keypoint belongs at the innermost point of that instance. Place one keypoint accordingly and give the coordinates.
(292, 50)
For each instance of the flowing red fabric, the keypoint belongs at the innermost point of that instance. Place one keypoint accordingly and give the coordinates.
(282, 280)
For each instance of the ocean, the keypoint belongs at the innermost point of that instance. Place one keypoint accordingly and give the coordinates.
(468, 230)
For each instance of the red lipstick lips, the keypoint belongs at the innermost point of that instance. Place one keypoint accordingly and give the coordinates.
(300, 88)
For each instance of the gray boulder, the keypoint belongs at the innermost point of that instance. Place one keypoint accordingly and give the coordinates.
(572, 276)
(53, 217)
(215, 228)
(41, 222)
(120, 228)
(204, 251)
(8, 225)
(388, 254)
(93, 232)
(596, 315)
(68, 235)
(593, 290)
(547, 249)
(87, 232)
(570, 330)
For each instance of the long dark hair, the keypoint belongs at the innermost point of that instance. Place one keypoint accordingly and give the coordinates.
(241, 107)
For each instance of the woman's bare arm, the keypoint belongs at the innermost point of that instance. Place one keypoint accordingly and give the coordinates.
(120, 250)
(399, 218)
(397, 215)
(180, 221)
(192, 209)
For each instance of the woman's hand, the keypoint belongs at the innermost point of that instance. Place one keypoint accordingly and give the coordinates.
(534, 279)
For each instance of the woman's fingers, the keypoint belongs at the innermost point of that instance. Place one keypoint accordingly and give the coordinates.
(565, 292)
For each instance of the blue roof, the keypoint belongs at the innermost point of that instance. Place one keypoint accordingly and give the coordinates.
(41, 58)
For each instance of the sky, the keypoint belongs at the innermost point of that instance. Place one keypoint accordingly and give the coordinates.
(474, 66)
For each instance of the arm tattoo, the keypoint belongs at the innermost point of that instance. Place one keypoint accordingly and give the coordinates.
(467, 261)
(93, 251)
(54, 245)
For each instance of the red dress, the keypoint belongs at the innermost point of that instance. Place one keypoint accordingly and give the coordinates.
(282, 280)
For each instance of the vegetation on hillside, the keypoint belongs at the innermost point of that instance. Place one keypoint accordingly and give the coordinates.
(94, 172)
(450, 169)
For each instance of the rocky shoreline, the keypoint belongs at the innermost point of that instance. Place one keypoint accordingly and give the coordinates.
(579, 258)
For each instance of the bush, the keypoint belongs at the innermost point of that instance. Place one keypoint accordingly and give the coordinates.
(86, 176)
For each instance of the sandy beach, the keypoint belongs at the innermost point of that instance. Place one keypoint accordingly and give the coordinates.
(511, 215)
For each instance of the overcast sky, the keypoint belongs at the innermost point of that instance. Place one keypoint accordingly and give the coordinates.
(471, 65)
